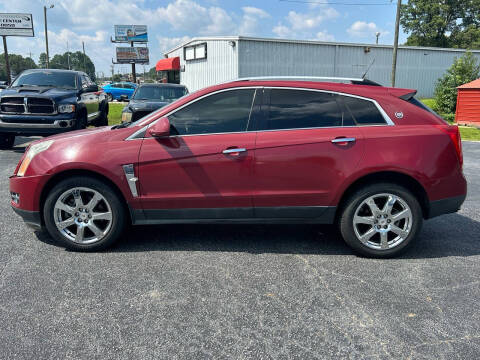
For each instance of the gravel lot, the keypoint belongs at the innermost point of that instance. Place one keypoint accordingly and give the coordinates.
(241, 292)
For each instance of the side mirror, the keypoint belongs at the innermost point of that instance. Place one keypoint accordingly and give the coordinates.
(160, 129)
(124, 98)
(90, 88)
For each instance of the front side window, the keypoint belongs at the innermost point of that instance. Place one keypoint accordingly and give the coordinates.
(364, 112)
(227, 111)
(298, 109)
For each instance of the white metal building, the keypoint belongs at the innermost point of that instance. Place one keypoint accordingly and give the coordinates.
(210, 60)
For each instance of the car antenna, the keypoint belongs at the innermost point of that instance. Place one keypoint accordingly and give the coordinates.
(368, 69)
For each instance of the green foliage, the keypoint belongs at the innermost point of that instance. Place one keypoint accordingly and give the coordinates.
(76, 61)
(116, 77)
(442, 23)
(115, 113)
(17, 63)
(463, 70)
(42, 61)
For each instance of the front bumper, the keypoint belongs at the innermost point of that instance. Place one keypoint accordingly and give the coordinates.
(37, 124)
(31, 218)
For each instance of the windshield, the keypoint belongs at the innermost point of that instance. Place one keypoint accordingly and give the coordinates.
(159, 93)
(46, 78)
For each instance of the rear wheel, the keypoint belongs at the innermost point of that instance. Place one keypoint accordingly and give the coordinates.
(84, 214)
(6, 141)
(381, 220)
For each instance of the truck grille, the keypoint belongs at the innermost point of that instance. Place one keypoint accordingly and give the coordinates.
(26, 105)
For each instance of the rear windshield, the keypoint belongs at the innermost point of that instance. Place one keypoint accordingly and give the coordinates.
(65, 80)
(421, 105)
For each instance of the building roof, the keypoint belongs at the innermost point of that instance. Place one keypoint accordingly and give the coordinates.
(475, 84)
(248, 38)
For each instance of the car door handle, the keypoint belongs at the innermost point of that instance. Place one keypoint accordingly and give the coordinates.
(341, 140)
(234, 150)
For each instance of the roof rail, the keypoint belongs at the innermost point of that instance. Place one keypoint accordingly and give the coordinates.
(357, 81)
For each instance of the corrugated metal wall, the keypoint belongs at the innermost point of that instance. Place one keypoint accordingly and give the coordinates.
(418, 68)
(468, 106)
(220, 65)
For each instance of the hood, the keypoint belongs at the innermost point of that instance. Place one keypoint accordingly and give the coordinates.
(42, 91)
(141, 105)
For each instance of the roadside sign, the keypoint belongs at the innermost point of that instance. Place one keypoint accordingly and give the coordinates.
(16, 25)
(129, 55)
(129, 33)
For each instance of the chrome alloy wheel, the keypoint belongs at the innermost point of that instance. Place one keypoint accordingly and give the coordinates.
(382, 221)
(82, 215)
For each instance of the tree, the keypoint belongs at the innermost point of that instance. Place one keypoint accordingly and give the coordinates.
(42, 61)
(116, 77)
(73, 61)
(463, 70)
(442, 23)
(17, 63)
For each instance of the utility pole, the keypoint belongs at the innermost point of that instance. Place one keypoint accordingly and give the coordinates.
(395, 43)
(46, 32)
(7, 64)
(84, 58)
(377, 34)
(68, 56)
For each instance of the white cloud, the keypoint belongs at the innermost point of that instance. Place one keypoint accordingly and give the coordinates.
(250, 20)
(166, 43)
(324, 36)
(312, 19)
(282, 31)
(362, 29)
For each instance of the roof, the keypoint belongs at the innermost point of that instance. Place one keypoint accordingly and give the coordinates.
(161, 85)
(56, 70)
(296, 41)
(475, 84)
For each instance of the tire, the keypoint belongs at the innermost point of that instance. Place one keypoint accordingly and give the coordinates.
(109, 97)
(73, 220)
(6, 141)
(399, 223)
(103, 118)
(81, 121)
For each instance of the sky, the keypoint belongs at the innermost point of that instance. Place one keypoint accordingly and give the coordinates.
(171, 22)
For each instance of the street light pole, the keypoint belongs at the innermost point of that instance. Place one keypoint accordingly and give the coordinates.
(395, 43)
(46, 32)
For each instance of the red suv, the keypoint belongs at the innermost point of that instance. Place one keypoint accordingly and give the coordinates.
(371, 159)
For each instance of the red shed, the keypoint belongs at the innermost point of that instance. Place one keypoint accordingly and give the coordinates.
(468, 103)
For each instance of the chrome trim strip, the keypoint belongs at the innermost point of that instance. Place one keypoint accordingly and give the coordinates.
(232, 151)
(131, 179)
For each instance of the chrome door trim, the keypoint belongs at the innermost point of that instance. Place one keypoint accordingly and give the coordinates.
(235, 150)
(342, 140)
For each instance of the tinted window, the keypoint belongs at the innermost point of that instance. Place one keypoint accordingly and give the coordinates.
(160, 93)
(128, 86)
(296, 109)
(117, 85)
(363, 111)
(227, 111)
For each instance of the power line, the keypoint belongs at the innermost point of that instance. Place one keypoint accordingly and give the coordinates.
(337, 3)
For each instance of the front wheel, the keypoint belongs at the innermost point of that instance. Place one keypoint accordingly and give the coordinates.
(6, 141)
(109, 97)
(103, 117)
(84, 214)
(381, 220)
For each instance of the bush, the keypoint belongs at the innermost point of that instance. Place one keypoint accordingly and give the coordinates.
(463, 70)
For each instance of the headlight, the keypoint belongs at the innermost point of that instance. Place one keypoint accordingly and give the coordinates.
(32, 152)
(66, 108)
(126, 116)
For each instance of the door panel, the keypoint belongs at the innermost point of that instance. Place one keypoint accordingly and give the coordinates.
(192, 172)
(303, 167)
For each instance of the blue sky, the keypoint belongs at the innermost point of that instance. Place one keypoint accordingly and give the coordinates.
(171, 22)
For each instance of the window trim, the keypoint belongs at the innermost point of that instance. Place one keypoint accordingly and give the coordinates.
(133, 136)
(194, 47)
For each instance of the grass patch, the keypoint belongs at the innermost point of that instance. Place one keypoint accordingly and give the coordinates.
(429, 102)
(115, 112)
(469, 133)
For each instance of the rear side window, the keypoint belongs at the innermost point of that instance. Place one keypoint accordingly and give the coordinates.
(297, 109)
(227, 111)
(364, 112)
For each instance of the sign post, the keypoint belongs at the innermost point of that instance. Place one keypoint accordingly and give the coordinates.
(14, 25)
(131, 34)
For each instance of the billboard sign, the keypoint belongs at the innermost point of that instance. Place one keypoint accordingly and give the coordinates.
(129, 55)
(127, 33)
(16, 25)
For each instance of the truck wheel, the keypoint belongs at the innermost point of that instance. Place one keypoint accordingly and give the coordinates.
(381, 220)
(103, 118)
(6, 141)
(81, 121)
(84, 214)
(109, 97)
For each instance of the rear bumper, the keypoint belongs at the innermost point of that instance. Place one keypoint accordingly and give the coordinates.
(445, 206)
(31, 218)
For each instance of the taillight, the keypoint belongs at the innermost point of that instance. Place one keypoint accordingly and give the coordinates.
(454, 133)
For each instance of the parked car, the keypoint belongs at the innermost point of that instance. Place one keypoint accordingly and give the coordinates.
(46, 101)
(117, 89)
(150, 97)
(371, 159)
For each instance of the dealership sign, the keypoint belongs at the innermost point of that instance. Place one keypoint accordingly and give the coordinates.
(128, 55)
(16, 25)
(128, 33)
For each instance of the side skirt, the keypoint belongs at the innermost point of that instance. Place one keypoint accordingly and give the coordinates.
(274, 215)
